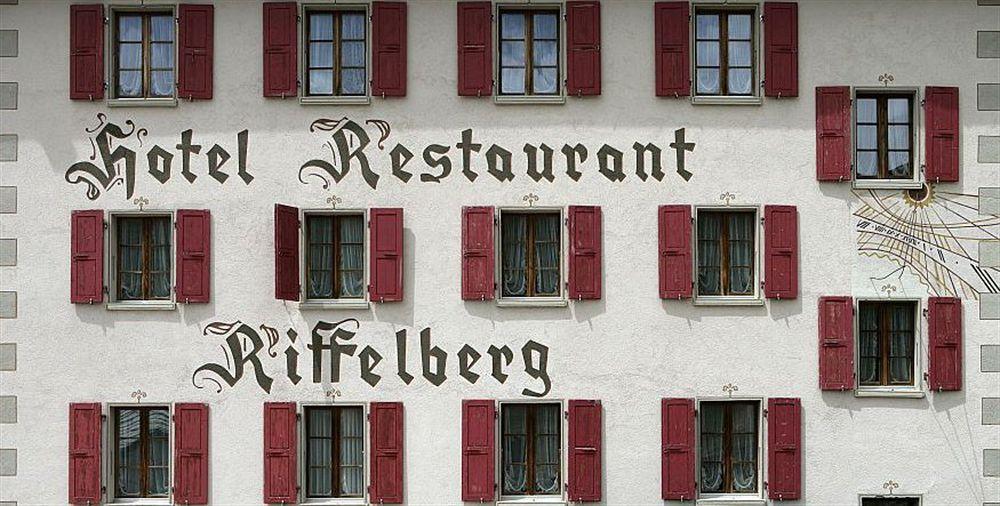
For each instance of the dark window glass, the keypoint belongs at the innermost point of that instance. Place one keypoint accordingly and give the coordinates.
(143, 257)
(728, 447)
(144, 55)
(883, 134)
(336, 53)
(726, 252)
(886, 331)
(531, 449)
(529, 52)
(724, 52)
(890, 501)
(142, 452)
(335, 451)
(530, 249)
(335, 260)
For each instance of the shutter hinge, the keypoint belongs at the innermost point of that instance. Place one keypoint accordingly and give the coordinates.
(104, 224)
(104, 289)
(765, 485)
(925, 312)
(566, 414)
(298, 416)
(106, 20)
(761, 220)
(696, 413)
(765, 412)
(298, 18)
(177, 19)
(923, 102)
(104, 489)
(496, 416)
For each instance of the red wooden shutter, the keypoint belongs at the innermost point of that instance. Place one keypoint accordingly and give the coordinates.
(478, 425)
(475, 49)
(280, 445)
(677, 462)
(836, 343)
(87, 257)
(477, 253)
(585, 252)
(675, 251)
(784, 449)
(386, 248)
(280, 49)
(195, 49)
(781, 49)
(584, 466)
(389, 49)
(387, 453)
(941, 126)
(85, 453)
(833, 133)
(286, 252)
(191, 453)
(673, 53)
(781, 250)
(944, 316)
(583, 47)
(86, 52)
(194, 249)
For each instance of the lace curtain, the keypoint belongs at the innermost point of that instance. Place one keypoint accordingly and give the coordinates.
(351, 259)
(901, 345)
(129, 461)
(320, 452)
(742, 447)
(544, 445)
(741, 226)
(132, 239)
(709, 257)
(514, 239)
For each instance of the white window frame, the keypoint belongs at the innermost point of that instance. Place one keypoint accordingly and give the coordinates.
(757, 97)
(916, 390)
(111, 76)
(918, 497)
(560, 300)
(559, 499)
(303, 63)
(302, 453)
(729, 300)
(916, 134)
(111, 261)
(723, 499)
(307, 303)
(108, 456)
(558, 98)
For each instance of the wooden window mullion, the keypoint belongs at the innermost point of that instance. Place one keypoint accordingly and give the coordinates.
(143, 453)
(529, 53)
(335, 454)
(724, 254)
(529, 251)
(529, 446)
(724, 53)
(336, 274)
(338, 45)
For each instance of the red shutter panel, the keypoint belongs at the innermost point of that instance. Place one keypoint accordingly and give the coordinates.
(585, 252)
(941, 109)
(583, 47)
(386, 255)
(195, 49)
(280, 446)
(87, 257)
(833, 133)
(478, 425)
(677, 462)
(475, 49)
(387, 453)
(280, 49)
(584, 467)
(836, 343)
(86, 52)
(389, 49)
(191, 453)
(673, 54)
(286, 252)
(675, 251)
(944, 316)
(85, 453)
(781, 49)
(784, 449)
(194, 248)
(477, 253)
(781, 250)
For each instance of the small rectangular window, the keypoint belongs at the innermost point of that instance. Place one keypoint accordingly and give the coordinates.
(141, 452)
(144, 54)
(729, 441)
(726, 252)
(883, 134)
(336, 53)
(886, 339)
(335, 258)
(724, 52)
(531, 248)
(335, 443)
(144, 257)
(531, 449)
(529, 52)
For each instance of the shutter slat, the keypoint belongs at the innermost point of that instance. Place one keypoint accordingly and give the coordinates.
(583, 47)
(386, 254)
(836, 343)
(781, 250)
(673, 60)
(674, 225)
(389, 49)
(387, 453)
(477, 253)
(833, 133)
(585, 252)
(86, 52)
(944, 316)
(784, 454)
(84, 453)
(677, 461)
(475, 49)
(280, 49)
(195, 51)
(191, 453)
(781, 49)
(286, 252)
(280, 446)
(478, 449)
(941, 110)
(87, 257)
(194, 248)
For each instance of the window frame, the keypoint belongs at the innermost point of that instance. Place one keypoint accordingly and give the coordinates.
(755, 498)
(344, 303)
(364, 7)
(754, 299)
(559, 498)
(916, 134)
(303, 453)
(111, 262)
(109, 454)
(111, 56)
(916, 390)
(556, 98)
(756, 96)
(559, 300)
(918, 497)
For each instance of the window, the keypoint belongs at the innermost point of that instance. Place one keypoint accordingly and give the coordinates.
(531, 246)
(724, 52)
(729, 447)
(529, 52)
(336, 53)
(884, 136)
(530, 449)
(890, 501)
(144, 54)
(142, 452)
(885, 352)
(143, 258)
(335, 451)
(726, 245)
(335, 258)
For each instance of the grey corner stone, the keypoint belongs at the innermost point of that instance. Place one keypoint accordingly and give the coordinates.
(989, 200)
(988, 96)
(989, 149)
(989, 254)
(988, 44)
(989, 358)
(8, 147)
(8, 199)
(991, 462)
(8, 96)
(8, 43)
(8, 462)
(8, 304)
(8, 357)
(991, 411)
(989, 306)
(8, 253)
(8, 409)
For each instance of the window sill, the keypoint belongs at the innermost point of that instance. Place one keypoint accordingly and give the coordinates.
(887, 184)
(361, 100)
(552, 500)
(142, 102)
(733, 100)
(728, 301)
(148, 305)
(529, 99)
(344, 501)
(532, 302)
(901, 392)
(735, 500)
(334, 304)
(158, 501)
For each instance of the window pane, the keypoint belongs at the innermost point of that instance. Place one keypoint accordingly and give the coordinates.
(161, 28)
(130, 28)
(547, 232)
(352, 26)
(163, 56)
(740, 81)
(320, 82)
(513, 450)
(708, 81)
(352, 82)
(319, 451)
(130, 83)
(741, 228)
(512, 26)
(868, 345)
(320, 254)
(709, 254)
(352, 54)
(129, 452)
(707, 26)
(130, 56)
(544, 80)
(712, 427)
(545, 26)
(899, 110)
(867, 110)
(708, 54)
(899, 164)
(162, 84)
(899, 137)
(512, 81)
(351, 451)
(321, 54)
(867, 164)
(129, 259)
(739, 54)
(545, 53)
(352, 256)
(867, 137)
(546, 437)
(159, 254)
(512, 54)
(321, 27)
(739, 26)
(514, 232)
(744, 447)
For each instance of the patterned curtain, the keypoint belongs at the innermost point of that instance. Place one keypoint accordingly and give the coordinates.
(352, 257)
(513, 233)
(547, 254)
(320, 279)
(709, 258)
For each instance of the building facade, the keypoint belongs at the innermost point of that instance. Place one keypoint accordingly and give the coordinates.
(508, 252)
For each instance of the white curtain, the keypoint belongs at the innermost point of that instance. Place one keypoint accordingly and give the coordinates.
(900, 345)
(319, 452)
(513, 236)
(741, 227)
(709, 258)
(868, 366)
(351, 452)
(159, 452)
(515, 478)
(320, 278)
(130, 259)
(547, 449)
(712, 429)
(547, 254)
(352, 257)
(159, 265)
(744, 447)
